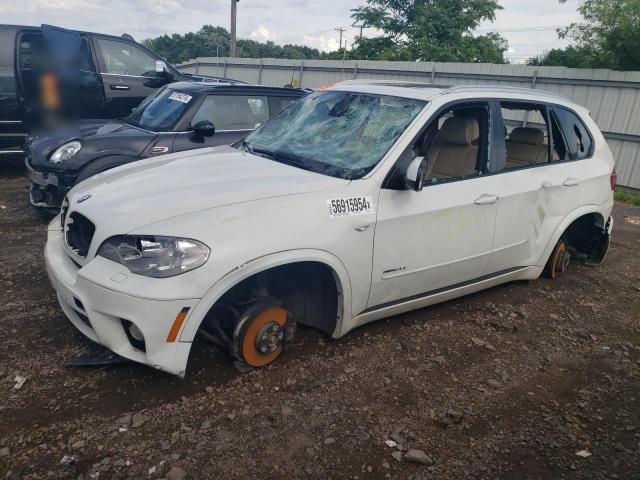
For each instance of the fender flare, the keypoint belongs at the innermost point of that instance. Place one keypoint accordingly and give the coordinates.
(260, 264)
(103, 163)
(566, 222)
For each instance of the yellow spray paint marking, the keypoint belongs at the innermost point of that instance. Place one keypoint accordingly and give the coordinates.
(460, 225)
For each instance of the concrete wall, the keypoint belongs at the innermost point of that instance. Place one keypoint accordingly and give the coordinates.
(612, 97)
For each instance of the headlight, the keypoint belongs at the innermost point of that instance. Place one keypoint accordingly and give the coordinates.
(155, 256)
(65, 152)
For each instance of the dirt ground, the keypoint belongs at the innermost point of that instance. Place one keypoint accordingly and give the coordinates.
(510, 383)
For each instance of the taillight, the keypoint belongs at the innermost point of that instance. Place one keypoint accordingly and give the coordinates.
(614, 179)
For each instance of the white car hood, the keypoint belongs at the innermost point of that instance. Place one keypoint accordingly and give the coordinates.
(156, 189)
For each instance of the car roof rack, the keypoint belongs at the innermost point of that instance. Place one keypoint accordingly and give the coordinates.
(448, 89)
(392, 83)
(502, 89)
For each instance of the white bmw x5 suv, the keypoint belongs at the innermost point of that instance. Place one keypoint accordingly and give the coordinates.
(356, 203)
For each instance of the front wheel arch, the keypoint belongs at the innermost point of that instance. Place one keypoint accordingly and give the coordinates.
(103, 164)
(262, 264)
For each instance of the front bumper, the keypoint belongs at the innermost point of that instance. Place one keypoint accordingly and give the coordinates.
(98, 312)
(46, 189)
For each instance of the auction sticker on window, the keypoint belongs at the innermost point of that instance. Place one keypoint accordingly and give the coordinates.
(180, 97)
(348, 207)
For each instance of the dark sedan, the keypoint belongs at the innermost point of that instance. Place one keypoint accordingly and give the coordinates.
(180, 116)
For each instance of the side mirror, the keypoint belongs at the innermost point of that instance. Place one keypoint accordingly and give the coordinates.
(160, 66)
(204, 128)
(416, 171)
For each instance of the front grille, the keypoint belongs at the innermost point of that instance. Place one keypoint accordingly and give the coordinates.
(63, 212)
(84, 319)
(79, 233)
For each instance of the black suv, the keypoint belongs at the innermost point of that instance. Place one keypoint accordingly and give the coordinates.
(180, 116)
(107, 75)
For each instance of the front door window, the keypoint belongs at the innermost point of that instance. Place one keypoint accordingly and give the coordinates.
(123, 58)
(233, 112)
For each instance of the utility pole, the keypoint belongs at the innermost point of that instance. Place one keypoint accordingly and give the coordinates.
(233, 47)
(362, 26)
(341, 30)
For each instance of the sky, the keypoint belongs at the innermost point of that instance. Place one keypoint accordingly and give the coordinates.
(528, 25)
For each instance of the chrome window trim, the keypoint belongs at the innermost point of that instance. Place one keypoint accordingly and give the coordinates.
(124, 75)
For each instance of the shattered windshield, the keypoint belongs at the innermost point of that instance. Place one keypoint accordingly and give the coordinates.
(342, 134)
(160, 112)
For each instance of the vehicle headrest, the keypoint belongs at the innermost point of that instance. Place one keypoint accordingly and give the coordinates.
(530, 136)
(459, 131)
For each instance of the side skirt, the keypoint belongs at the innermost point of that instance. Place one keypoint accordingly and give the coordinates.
(442, 295)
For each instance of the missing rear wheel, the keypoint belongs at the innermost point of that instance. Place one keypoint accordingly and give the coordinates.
(559, 261)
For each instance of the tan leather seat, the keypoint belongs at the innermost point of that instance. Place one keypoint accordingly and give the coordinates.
(526, 146)
(454, 152)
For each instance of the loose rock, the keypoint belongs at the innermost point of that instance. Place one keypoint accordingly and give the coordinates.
(418, 456)
(176, 474)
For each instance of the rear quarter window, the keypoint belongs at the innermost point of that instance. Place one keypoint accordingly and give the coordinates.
(578, 139)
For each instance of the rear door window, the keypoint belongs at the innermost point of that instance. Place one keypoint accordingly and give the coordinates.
(123, 58)
(526, 134)
(233, 112)
(577, 136)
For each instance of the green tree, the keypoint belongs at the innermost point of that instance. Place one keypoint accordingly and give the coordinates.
(573, 57)
(210, 40)
(430, 30)
(609, 34)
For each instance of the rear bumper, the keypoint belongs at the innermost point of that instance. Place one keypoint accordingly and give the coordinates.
(98, 312)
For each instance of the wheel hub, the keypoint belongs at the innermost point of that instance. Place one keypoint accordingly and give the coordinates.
(262, 336)
(269, 338)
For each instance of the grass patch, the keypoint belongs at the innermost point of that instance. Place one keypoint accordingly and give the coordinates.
(627, 197)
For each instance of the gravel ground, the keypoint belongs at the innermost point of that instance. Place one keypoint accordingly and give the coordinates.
(510, 383)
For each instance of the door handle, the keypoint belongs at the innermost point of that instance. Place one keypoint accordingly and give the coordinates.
(362, 228)
(486, 199)
(119, 87)
(571, 182)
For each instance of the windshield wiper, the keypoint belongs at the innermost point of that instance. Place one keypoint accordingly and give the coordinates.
(280, 156)
(264, 152)
(246, 146)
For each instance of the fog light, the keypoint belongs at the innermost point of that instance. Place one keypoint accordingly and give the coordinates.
(135, 332)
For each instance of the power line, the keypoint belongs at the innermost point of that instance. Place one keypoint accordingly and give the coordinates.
(515, 30)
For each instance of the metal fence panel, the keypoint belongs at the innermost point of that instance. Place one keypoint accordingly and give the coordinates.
(612, 97)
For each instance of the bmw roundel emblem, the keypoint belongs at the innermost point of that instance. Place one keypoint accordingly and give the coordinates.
(84, 198)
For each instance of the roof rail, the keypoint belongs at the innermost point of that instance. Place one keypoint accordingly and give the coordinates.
(391, 83)
(502, 89)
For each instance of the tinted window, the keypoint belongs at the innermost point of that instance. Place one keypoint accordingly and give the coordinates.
(340, 134)
(233, 112)
(575, 133)
(123, 58)
(161, 111)
(277, 104)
